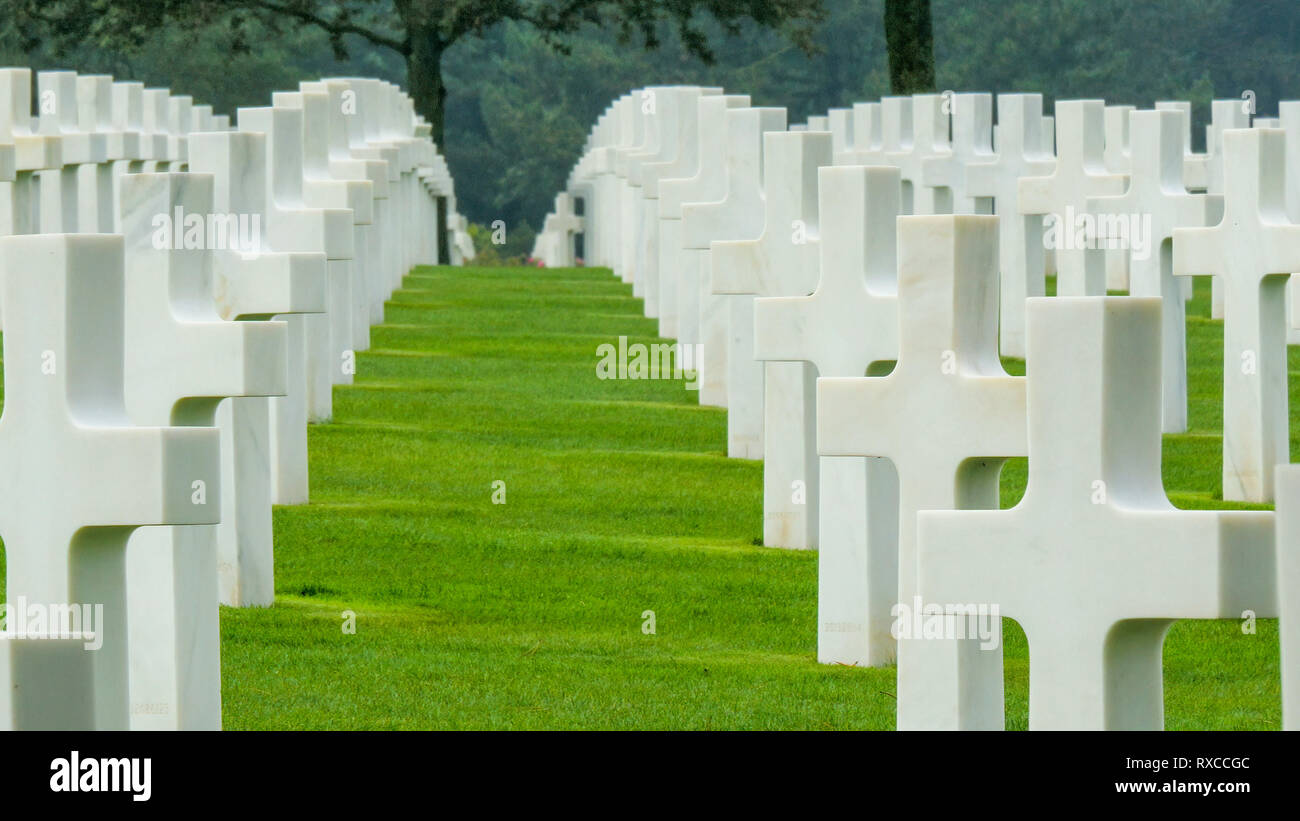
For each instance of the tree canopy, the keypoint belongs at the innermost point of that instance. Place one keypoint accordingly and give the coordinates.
(518, 110)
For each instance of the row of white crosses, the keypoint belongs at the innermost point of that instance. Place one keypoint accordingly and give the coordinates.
(179, 300)
(787, 259)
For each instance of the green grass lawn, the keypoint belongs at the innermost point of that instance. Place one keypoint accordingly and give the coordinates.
(619, 500)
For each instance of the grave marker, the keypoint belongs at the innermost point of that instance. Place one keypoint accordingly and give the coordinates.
(731, 377)
(947, 417)
(1080, 173)
(783, 261)
(848, 323)
(79, 477)
(1251, 252)
(1020, 236)
(1094, 562)
(1156, 194)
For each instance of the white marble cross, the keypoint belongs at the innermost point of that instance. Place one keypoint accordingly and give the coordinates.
(656, 110)
(128, 145)
(565, 225)
(22, 155)
(1117, 155)
(616, 122)
(839, 121)
(181, 359)
(1251, 252)
(79, 478)
(681, 163)
(730, 376)
(1289, 121)
(201, 119)
(180, 109)
(157, 128)
(394, 128)
(321, 189)
(1048, 134)
(357, 153)
(1080, 173)
(926, 126)
(368, 143)
(57, 106)
(947, 417)
(32, 152)
(1020, 236)
(676, 262)
(595, 171)
(1118, 160)
(866, 147)
(95, 192)
(670, 135)
(326, 100)
(848, 323)
(1224, 115)
(1142, 222)
(249, 287)
(783, 261)
(1094, 562)
(636, 108)
(292, 226)
(1287, 481)
(972, 143)
(381, 107)
(1195, 166)
(367, 245)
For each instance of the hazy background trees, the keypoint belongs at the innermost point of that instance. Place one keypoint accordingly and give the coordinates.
(517, 111)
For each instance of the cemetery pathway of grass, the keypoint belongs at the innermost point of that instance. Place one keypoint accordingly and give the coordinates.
(619, 500)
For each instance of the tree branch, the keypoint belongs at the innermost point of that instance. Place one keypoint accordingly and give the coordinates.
(336, 26)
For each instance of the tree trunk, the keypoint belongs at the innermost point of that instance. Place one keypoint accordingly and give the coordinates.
(424, 76)
(909, 38)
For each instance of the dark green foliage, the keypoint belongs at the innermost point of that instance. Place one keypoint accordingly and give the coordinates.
(910, 38)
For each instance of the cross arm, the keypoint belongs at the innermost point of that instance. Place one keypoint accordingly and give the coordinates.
(1198, 210)
(781, 329)
(311, 229)
(354, 195)
(983, 179)
(940, 172)
(155, 469)
(1197, 251)
(267, 284)
(735, 265)
(1036, 195)
(1280, 250)
(844, 425)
